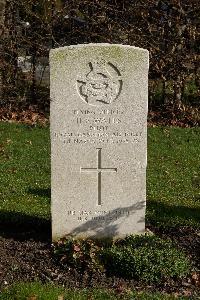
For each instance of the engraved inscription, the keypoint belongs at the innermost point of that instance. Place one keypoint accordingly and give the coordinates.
(100, 215)
(101, 85)
(99, 170)
(98, 137)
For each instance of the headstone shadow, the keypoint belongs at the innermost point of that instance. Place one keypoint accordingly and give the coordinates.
(107, 222)
(165, 213)
(20, 226)
(41, 192)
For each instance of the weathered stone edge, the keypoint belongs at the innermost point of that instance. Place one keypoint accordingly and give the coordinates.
(52, 51)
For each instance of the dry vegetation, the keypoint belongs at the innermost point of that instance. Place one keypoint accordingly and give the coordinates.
(167, 28)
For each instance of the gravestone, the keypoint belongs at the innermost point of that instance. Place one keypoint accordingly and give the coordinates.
(98, 140)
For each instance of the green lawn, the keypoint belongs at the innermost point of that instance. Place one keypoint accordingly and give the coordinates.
(48, 292)
(173, 179)
(173, 186)
(173, 176)
(24, 171)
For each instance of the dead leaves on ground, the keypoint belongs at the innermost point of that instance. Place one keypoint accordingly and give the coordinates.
(30, 116)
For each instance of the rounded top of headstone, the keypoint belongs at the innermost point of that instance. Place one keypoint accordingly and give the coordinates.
(98, 45)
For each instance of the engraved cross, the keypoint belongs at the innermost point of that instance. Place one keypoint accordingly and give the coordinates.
(99, 170)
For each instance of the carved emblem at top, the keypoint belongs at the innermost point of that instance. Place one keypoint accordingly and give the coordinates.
(101, 85)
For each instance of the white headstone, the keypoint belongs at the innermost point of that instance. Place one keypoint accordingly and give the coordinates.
(99, 140)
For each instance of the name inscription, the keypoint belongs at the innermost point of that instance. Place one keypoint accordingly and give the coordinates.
(101, 126)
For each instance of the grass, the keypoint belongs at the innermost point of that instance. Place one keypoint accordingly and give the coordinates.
(27, 291)
(173, 185)
(25, 170)
(173, 179)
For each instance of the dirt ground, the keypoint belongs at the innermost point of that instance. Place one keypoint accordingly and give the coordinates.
(26, 255)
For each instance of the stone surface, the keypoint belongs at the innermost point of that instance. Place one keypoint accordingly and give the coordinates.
(99, 140)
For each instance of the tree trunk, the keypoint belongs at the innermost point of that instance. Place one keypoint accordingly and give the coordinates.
(2, 18)
(178, 92)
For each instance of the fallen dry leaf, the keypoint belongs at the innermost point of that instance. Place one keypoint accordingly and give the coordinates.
(196, 278)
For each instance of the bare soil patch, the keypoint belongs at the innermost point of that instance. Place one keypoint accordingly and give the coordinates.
(26, 255)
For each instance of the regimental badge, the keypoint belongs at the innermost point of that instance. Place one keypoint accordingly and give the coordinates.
(101, 85)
